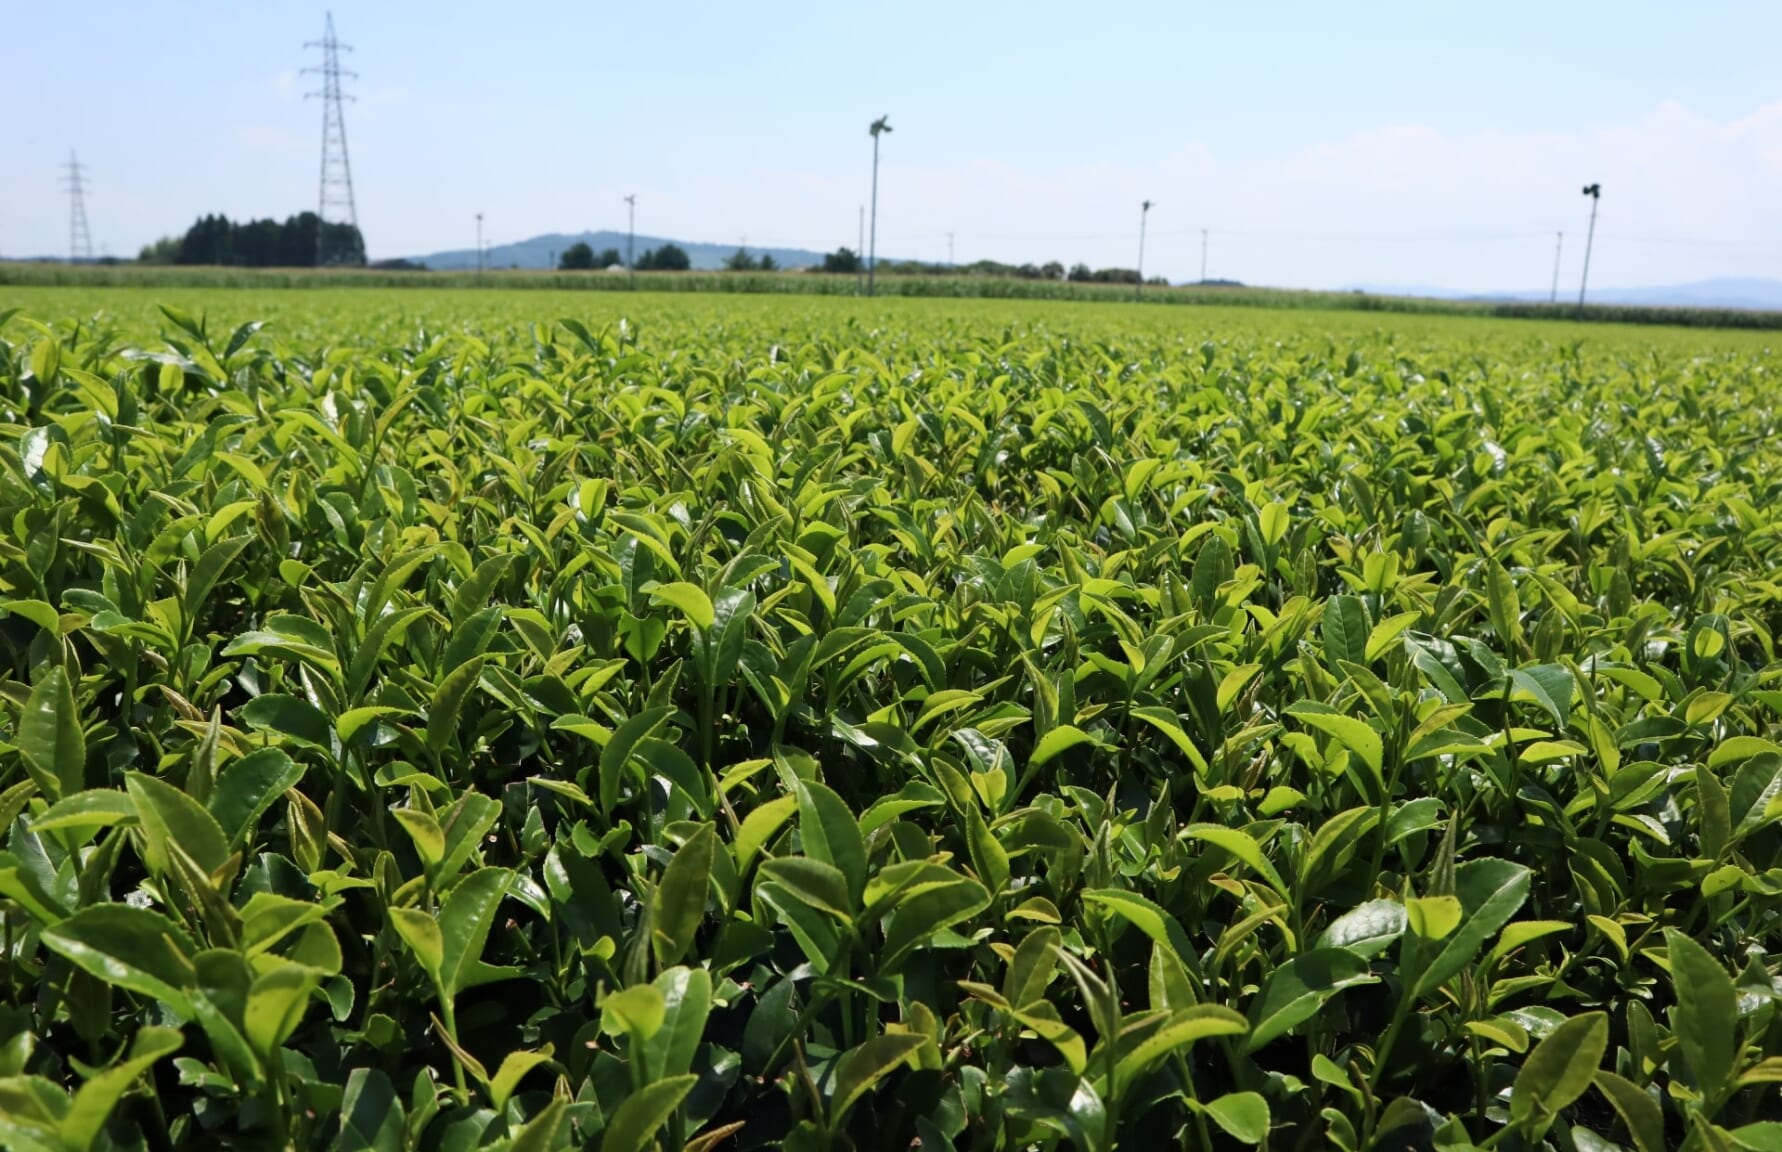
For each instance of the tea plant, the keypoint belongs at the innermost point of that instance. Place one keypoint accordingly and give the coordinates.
(838, 729)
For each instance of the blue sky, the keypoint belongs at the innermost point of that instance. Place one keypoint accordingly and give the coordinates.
(1320, 144)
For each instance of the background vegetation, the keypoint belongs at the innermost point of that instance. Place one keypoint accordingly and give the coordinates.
(903, 285)
(302, 241)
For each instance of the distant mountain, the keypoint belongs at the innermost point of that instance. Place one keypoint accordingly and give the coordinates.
(543, 252)
(1750, 292)
(1754, 293)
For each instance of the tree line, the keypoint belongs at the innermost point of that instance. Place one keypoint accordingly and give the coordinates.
(995, 269)
(302, 241)
(581, 257)
(848, 262)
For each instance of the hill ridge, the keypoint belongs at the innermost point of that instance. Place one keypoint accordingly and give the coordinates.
(542, 251)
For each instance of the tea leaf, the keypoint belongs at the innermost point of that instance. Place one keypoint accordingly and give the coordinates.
(634, 1125)
(50, 736)
(1298, 989)
(1707, 1012)
(1559, 1070)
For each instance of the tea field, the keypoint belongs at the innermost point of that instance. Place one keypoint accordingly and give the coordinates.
(473, 720)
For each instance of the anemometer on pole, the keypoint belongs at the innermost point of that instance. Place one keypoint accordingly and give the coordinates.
(1138, 288)
(630, 240)
(879, 127)
(1558, 248)
(1595, 192)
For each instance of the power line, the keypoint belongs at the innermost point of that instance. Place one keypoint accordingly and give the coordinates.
(80, 239)
(336, 193)
(1460, 236)
(1469, 235)
(1437, 236)
(1691, 241)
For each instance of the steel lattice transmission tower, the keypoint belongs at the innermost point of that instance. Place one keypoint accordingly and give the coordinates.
(80, 240)
(334, 204)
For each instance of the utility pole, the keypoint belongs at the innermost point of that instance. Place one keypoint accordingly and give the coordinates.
(949, 249)
(1558, 247)
(1203, 255)
(80, 240)
(631, 241)
(479, 247)
(1595, 192)
(336, 194)
(1139, 287)
(879, 127)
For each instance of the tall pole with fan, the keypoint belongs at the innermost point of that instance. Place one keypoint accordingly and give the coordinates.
(1595, 192)
(1139, 288)
(879, 127)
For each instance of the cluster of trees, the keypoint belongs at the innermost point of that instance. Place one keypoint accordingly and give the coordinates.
(1082, 274)
(668, 258)
(845, 260)
(580, 257)
(742, 260)
(302, 241)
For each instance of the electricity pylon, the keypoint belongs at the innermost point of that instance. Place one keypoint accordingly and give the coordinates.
(336, 196)
(80, 240)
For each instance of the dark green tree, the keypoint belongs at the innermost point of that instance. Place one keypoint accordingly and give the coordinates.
(341, 244)
(256, 243)
(844, 260)
(297, 240)
(668, 258)
(207, 241)
(578, 257)
(296, 243)
(163, 251)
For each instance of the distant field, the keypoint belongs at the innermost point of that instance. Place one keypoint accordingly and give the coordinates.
(352, 313)
(541, 720)
(806, 283)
